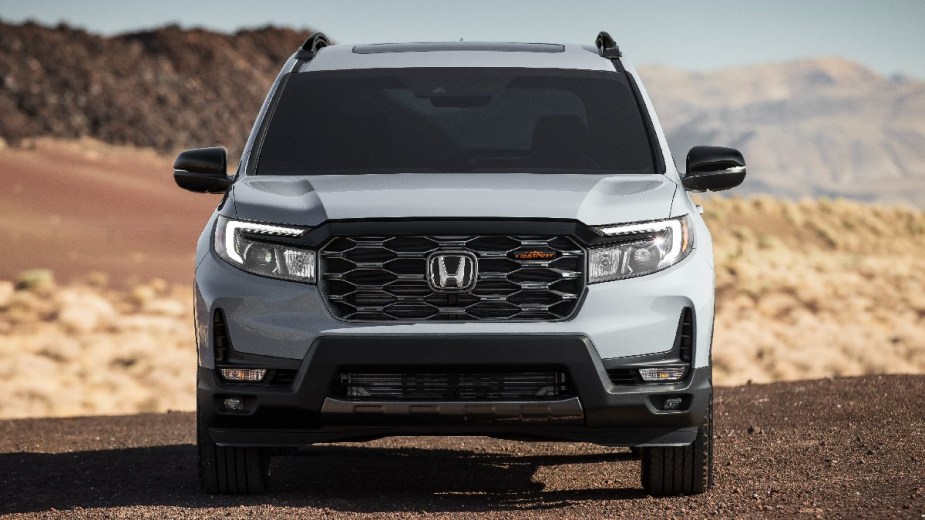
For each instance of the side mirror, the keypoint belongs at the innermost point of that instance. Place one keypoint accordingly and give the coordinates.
(202, 170)
(713, 168)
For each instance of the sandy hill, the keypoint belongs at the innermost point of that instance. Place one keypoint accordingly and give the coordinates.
(815, 127)
(84, 206)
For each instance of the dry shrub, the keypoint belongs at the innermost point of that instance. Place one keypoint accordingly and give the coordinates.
(83, 349)
(816, 289)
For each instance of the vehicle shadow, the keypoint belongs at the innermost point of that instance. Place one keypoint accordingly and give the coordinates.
(336, 477)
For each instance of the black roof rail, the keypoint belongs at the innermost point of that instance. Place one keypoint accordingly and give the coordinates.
(312, 45)
(606, 47)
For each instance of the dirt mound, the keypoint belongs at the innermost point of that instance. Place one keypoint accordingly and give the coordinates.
(167, 88)
(111, 209)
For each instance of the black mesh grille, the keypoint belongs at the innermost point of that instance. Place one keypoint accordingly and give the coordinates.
(528, 278)
(451, 386)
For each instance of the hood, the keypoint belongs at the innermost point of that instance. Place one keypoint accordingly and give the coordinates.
(592, 199)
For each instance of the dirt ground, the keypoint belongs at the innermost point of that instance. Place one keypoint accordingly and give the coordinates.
(78, 207)
(843, 448)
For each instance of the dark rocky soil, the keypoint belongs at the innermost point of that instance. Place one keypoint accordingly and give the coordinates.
(843, 448)
(166, 88)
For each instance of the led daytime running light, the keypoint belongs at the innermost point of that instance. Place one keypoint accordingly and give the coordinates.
(233, 226)
(642, 248)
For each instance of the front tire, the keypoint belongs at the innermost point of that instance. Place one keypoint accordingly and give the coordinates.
(230, 470)
(681, 470)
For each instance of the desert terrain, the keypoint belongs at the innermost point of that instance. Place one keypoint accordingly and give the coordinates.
(809, 289)
(819, 345)
(809, 449)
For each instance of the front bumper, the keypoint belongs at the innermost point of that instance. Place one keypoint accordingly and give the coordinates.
(622, 319)
(597, 411)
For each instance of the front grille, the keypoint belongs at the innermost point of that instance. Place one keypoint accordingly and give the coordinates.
(451, 386)
(528, 278)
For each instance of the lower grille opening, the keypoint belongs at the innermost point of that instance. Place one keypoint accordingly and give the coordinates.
(624, 376)
(423, 385)
(281, 377)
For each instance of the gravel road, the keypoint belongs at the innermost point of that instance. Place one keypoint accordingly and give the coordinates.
(831, 448)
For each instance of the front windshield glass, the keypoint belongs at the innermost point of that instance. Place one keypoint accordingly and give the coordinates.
(485, 120)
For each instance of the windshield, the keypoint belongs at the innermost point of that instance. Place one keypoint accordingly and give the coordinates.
(456, 120)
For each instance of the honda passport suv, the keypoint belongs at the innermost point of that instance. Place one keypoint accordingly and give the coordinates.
(455, 239)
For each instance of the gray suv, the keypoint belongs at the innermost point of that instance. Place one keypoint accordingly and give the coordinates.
(455, 239)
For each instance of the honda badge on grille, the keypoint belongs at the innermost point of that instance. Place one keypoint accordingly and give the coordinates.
(452, 271)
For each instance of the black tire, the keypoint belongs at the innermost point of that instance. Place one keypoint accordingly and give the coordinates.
(684, 470)
(228, 470)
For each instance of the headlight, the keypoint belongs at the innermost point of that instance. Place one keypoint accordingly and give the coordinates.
(640, 249)
(250, 246)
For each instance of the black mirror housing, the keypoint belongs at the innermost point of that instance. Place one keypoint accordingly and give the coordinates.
(713, 168)
(202, 170)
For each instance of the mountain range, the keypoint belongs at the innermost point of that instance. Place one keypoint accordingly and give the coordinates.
(825, 127)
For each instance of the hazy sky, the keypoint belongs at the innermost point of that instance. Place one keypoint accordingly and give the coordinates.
(886, 35)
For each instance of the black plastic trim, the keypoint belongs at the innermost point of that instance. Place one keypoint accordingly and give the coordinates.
(292, 416)
(311, 46)
(658, 156)
(280, 371)
(254, 160)
(319, 236)
(606, 46)
(672, 356)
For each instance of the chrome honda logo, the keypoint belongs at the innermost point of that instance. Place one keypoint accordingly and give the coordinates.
(452, 272)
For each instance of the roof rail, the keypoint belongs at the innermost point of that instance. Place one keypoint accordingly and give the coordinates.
(312, 45)
(606, 47)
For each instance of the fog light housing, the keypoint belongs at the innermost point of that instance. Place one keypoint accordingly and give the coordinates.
(244, 375)
(662, 374)
(233, 404)
(672, 403)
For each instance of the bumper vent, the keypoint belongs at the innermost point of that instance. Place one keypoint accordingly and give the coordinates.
(220, 340)
(526, 278)
(281, 377)
(683, 349)
(686, 335)
(624, 376)
(451, 386)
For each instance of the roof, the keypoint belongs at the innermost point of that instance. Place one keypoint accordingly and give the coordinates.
(458, 54)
